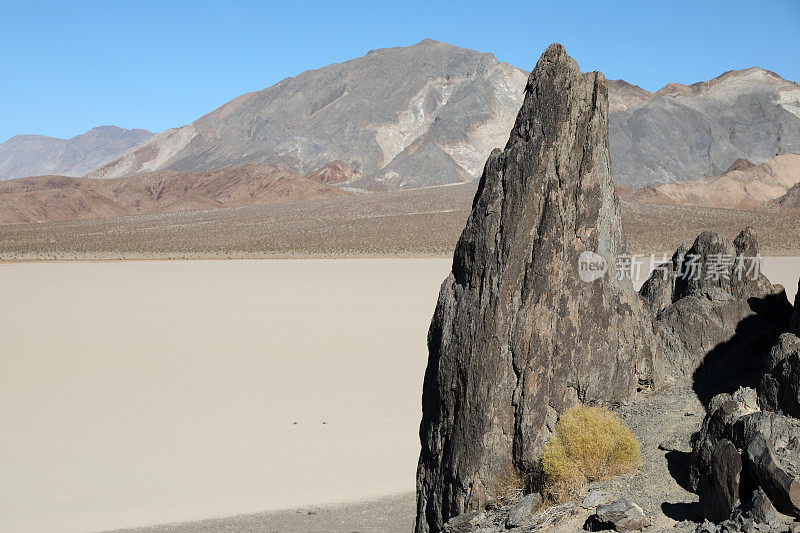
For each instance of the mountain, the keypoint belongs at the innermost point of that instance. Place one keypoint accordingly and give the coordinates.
(790, 200)
(61, 198)
(743, 186)
(623, 95)
(400, 117)
(36, 155)
(431, 113)
(684, 132)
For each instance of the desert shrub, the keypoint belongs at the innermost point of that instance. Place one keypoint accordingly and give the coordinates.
(590, 443)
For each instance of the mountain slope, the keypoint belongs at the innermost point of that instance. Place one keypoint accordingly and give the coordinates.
(743, 186)
(685, 132)
(431, 113)
(402, 117)
(61, 198)
(36, 155)
(790, 200)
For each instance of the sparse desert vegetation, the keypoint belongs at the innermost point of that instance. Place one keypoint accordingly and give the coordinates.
(416, 222)
(590, 443)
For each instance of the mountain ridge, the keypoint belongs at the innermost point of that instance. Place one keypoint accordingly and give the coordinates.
(430, 113)
(30, 154)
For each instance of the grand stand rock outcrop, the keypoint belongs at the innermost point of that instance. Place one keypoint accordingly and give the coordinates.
(517, 337)
(717, 314)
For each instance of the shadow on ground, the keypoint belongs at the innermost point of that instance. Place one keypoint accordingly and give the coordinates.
(682, 511)
(739, 362)
(678, 465)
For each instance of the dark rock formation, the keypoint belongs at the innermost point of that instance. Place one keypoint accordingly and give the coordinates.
(759, 508)
(517, 337)
(780, 485)
(796, 314)
(741, 450)
(779, 389)
(723, 411)
(714, 309)
(719, 491)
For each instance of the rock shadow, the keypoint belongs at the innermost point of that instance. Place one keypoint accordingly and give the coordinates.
(682, 511)
(740, 361)
(678, 464)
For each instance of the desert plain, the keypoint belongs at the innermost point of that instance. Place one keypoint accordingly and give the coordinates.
(152, 392)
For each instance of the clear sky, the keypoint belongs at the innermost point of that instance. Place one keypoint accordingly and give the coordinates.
(69, 66)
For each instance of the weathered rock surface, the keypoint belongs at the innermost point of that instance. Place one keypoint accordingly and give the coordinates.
(714, 308)
(779, 389)
(780, 485)
(724, 411)
(463, 523)
(622, 515)
(522, 510)
(759, 508)
(517, 337)
(719, 491)
(741, 449)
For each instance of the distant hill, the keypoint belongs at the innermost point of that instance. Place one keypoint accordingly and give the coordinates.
(36, 155)
(743, 186)
(685, 132)
(61, 198)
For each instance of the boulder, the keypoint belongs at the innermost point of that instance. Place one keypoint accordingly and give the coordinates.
(622, 515)
(595, 498)
(518, 336)
(782, 487)
(719, 491)
(759, 508)
(724, 411)
(770, 445)
(520, 512)
(464, 523)
(779, 389)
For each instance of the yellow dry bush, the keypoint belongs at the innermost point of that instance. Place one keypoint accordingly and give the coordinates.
(590, 443)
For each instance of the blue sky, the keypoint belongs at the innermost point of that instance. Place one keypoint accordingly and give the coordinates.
(69, 66)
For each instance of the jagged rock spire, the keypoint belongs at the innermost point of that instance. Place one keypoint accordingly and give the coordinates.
(517, 336)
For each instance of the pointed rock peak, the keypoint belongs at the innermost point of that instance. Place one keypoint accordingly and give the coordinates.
(557, 92)
(427, 42)
(533, 317)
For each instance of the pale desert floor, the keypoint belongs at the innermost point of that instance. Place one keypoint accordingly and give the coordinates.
(136, 393)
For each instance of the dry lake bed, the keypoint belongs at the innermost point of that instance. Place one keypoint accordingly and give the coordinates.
(135, 393)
